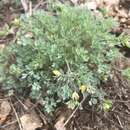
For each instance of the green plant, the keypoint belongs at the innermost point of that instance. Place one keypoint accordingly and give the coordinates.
(105, 105)
(126, 73)
(124, 39)
(57, 55)
(4, 2)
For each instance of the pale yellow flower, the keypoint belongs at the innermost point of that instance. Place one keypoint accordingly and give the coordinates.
(75, 96)
(16, 22)
(83, 88)
(56, 72)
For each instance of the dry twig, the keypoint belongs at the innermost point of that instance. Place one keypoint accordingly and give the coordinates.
(119, 121)
(43, 117)
(25, 5)
(70, 117)
(17, 117)
(30, 8)
(4, 126)
(24, 106)
(41, 3)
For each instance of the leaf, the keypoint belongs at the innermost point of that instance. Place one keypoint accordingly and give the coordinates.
(60, 124)
(4, 30)
(75, 96)
(93, 101)
(56, 72)
(16, 22)
(107, 104)
(83, 88)
(72, 104)
(92, 5)
(5, 110)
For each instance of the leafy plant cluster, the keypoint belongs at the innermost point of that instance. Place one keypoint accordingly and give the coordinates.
(59, 56)
(126, 73)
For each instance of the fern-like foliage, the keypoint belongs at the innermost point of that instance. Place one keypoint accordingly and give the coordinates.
(55, 53)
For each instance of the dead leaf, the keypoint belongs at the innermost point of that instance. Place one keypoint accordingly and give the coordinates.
(28, 103)
(123, 20)
(2, 46)
(31, 121)
(12, 31)
(112, 2)
(98, 14)
(122, 13)
(60, 124)
(99, 2)
(5, 110)
(128, 22)
(74, 2)
(107, 2)
(62, 114)
(92, 5)
(29, 35)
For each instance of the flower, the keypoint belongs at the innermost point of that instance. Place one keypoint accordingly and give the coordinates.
(107, 104)
(75, 96)
(16, 22)
(83, 88)
(56, 72)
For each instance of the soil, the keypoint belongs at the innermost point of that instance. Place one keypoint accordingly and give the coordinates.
(7, 14)
(88, 118)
